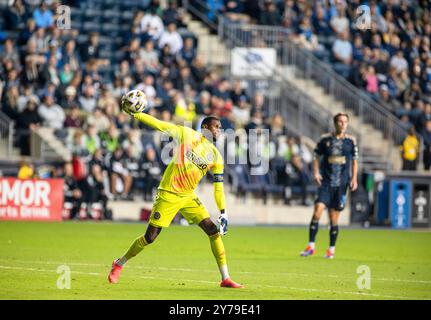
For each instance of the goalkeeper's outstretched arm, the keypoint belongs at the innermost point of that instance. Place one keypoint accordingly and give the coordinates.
(157, 124)
(219, 196)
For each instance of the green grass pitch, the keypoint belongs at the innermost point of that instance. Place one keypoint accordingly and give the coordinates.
(179, 265)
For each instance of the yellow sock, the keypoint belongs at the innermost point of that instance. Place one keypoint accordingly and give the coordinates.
(217, 248)
(136, 247)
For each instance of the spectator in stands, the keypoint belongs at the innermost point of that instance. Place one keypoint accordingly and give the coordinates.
(73, 120)
(147, 86)
(27, 94)
(339, 21)
(152, 25)
(342, 51)
(307, 39)
(241, 112)
(203, 106)
(110, 139)
(258, 103)
(10, 102)
(320, 23)
(95, 194)
(149, 57)
(66, 75)
(70, 56)
(269, 15)
(371, 81)
(10, 52)
(76, 145)
(91, 139)
(121, 180)
(184, 111)
(43, 16)
(26, 170)
(88, 101)
(410, 150)
(399, 62)
(27, 120)
(288, 148)
(14, 15)
(426, 134)
(51, 113)
(99, 120)
(133, 144)
(199, 70)
(172, 38)
(185, 80)
(277, 127)
(41, 40)
(152, 172)
(170, 14)
(298, 175)
(90, 49)
(50, 72)
(214, 7)
(188, 52)
(73, 200)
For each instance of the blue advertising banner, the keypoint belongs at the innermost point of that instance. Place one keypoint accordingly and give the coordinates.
(400, 203)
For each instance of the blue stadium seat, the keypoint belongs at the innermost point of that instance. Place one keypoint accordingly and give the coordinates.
(91, 27)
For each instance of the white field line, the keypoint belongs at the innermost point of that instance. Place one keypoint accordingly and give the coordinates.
(216, 283)
(215, 271)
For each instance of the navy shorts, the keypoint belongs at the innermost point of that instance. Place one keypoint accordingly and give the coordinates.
(333, 197)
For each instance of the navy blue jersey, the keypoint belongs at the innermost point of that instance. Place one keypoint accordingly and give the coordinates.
(336, 157)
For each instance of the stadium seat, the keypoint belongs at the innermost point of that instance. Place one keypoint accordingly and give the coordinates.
(90, 27)
(244, 183)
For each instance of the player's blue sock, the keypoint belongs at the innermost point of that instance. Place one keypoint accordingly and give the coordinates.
(314, 227)
(333, 233)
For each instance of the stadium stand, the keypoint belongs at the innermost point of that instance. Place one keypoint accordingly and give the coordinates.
(388, 58)
(62, 87)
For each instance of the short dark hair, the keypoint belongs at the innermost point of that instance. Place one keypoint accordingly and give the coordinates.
(207, 120)
(341, 114)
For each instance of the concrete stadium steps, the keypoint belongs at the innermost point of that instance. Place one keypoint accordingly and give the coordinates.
(45, 145)
(15, 152)
(210, 46)
(252, 212)
(372, 139)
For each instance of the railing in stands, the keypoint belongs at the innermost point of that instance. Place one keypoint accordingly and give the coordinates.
(288, 53)
(7, 128)
(304, 116)
(368, 110)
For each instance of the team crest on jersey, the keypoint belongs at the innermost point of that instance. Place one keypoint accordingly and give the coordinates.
(210, 157)
(156, 215)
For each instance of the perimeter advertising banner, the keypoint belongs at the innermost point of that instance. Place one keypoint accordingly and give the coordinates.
(32, 199)
(257, 63)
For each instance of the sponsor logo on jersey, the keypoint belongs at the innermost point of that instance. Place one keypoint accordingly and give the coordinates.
(337, 159)
(196, 160)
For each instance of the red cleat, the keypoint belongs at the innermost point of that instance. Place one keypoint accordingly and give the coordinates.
(229, 283)
(115, 272)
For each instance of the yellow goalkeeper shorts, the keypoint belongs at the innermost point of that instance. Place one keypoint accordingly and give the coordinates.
(168, 204)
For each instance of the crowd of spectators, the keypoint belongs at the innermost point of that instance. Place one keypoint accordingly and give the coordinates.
(387, 55)
(54, 78)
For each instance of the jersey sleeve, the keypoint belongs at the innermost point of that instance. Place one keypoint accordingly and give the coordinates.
(169, 128)
(318, 150)
(217, 171)
(355, 150)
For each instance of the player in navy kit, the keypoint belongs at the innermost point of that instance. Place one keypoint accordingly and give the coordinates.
(335, 169)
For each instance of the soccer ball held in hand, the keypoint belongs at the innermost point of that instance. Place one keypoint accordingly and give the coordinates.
(134, 101)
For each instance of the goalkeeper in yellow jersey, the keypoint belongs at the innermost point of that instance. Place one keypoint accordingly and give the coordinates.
(195, 155)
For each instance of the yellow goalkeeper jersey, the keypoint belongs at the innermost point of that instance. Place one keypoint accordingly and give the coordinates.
(192, 159)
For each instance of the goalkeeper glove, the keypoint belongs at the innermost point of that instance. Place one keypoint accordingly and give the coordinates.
(223, 223)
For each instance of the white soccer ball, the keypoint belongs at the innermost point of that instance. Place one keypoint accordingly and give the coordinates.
(134, 101)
